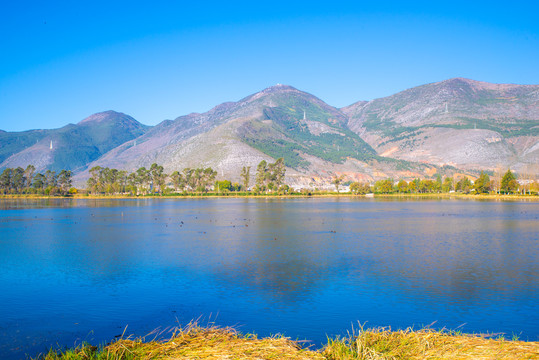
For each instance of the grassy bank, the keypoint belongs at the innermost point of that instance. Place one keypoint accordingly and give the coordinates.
(195, 342)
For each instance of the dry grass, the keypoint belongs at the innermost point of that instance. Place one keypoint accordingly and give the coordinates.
(194, 342)
(377, 344)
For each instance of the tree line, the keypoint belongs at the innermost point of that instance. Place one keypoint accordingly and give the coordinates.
(28, 181)
(269, 178)
(482, 185)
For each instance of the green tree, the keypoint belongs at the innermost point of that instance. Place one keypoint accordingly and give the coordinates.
(64, 181)
(17, 179)
(29, 175)
(270, 176)
(384, 186)
(143, 179)
(402, 186)
(245, 177)
(509, 183)
(51, 178)
(208, 178)
(223, 186)
(94, 182)
(284, 189)
(5, 180)
(447, 185)
(438, 185)
(132, 183)
(39, 182)
(482, 184)
(513, 186)
(157, 177)
(261, 175)
(360, 188)
(464, 185)
(413, 185)
(427, 186)
(122, 180)
(177, 181)
(277, 172)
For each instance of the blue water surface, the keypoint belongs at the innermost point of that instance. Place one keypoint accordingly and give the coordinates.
(84, 270)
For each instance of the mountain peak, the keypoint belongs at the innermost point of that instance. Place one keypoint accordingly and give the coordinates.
(101, 117)
(480, 85)
(279, 88)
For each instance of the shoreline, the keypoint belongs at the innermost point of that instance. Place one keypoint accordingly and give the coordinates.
(284, 196)
(195, 342)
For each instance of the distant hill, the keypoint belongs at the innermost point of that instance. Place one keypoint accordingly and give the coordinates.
(71, 147)
(459, 122)
(444, 127)
(279, 121)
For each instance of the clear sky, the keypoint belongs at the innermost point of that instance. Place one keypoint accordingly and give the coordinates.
(64, 60)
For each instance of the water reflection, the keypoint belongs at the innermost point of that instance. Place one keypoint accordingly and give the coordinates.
(309, 267)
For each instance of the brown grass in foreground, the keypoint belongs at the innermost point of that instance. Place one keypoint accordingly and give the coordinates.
(194, 342)
(426, 344)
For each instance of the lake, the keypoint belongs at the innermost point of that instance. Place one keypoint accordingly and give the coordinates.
(82, 270)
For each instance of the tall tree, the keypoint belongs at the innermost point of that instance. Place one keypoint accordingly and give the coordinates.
(279, 170)
(447, 185)
(464, 185)
(360, 188)
(337, 180)
(189, 178)
(51, 178)
(64, 181)
(94, 182)
(207, 179)
(5, 180)
(132, 183)
(384, 186)
(438, 185)
(270, 176)
(177, 181)
(157, 178)
(29, 175)
(245, 177)
(402, 186)
(39, 181)
(122, 180)
(142, 180)
(17, 179)
(482, 184)
(261, 175)
(509, 183)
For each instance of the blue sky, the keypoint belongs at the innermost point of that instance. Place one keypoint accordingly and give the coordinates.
(63, 61)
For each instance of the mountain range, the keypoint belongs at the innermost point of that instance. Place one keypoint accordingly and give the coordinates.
(454, 126)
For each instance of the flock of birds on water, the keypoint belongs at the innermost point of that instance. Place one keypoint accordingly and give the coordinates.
(181, 222)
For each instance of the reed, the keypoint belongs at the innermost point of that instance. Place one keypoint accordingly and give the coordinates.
(195, 342)
(383, 343)
(191, 342)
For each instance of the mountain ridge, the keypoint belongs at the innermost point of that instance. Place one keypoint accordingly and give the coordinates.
(70, 147)
(455, 123)
(492, 120)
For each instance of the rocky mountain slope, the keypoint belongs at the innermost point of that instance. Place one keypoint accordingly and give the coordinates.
(71, 147)
(458, 122)
(279, 121)
(434, 128)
